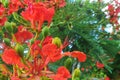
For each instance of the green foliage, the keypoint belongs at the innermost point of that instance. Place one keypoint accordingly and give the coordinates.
(20, 20)
(82, 22)
(53, 66)
(5, 2)
(111, 46)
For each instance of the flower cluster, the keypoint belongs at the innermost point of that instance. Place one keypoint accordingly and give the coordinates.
(2, 15)
(37, 13)
(113, 11)
(24, 50)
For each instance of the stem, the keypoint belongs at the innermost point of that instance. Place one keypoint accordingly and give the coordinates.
(28, 55)
(14, 70)
(17, 18)
(36, 35)
(13, 36)
(33, 24)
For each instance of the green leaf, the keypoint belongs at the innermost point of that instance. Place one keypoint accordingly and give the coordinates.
(19, 19)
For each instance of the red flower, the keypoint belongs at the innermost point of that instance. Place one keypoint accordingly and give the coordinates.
(117, 10)
(18, 2)
(28, 1)
(22, 36)
(62, 74)
(113, 14)
(37, 13)
(52, 52)
(79, 55)
(20, 28)
(57, 3)
(99, 65)
(14, 6)
(107, 78)
(15, 78)
(49, 14)
(2, 21)
(82, 69)
(2, 16)
(47, 40)
(2, 10)
(114, 19)
(111, 10)
(35, 48)
(10, 56)
(62, 3)
(67, 54)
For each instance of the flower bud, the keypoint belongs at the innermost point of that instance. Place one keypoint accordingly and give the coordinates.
(68, 63)
(57, 41)
(45, 31)
(77, 78)
(7, 41)
(20, 49)
(13, 24)
(76, 74)
(32, 41)
(9, 27)
(1, 34)
(5, 2)
(44, 78)
(15, 28)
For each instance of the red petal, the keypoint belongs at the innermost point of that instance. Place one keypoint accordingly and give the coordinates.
(22, 36)
(64, 72)
(10, 57)
(99, 65)
(107, 78)
(79, 55)
(51, 51)
(2, 21)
